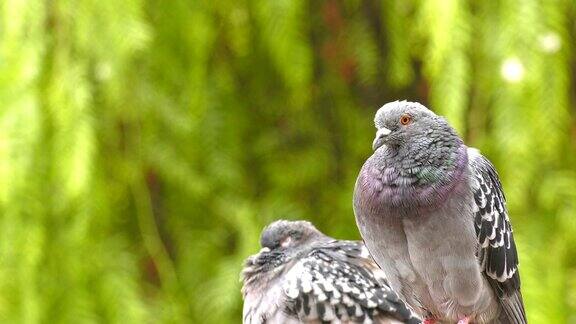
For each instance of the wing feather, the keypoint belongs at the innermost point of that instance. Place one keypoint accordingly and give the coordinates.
(496, 248)
(348, 287)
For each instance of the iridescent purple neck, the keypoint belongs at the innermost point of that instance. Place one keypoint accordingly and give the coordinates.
(384, 183)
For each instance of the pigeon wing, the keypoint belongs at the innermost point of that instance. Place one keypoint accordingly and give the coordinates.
(496, 248)
(339, 282)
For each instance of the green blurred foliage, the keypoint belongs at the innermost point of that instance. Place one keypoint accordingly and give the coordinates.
(144, 144)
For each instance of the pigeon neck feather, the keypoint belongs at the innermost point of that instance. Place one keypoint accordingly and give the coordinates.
(392, 180)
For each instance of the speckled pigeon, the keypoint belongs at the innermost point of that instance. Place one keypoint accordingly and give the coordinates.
(304, 276)
(433, 215)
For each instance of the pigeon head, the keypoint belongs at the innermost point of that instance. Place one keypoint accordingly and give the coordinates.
(288, 235)
(417, 155)
(281, 241)
(409, 125)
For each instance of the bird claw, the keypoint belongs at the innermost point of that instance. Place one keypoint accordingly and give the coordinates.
(464, 320)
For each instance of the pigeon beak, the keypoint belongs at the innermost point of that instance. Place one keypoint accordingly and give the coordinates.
(380, 138)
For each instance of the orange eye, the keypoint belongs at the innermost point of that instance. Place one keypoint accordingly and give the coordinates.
(405, 119)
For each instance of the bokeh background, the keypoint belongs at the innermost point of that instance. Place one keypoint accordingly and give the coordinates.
(144, 144)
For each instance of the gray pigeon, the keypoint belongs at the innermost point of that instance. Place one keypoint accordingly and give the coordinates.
(433, 215)
(304, 276)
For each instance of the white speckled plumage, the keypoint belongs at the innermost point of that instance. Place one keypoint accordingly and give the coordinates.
(316, 279)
